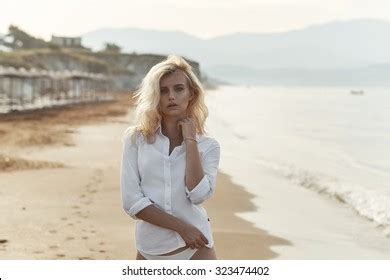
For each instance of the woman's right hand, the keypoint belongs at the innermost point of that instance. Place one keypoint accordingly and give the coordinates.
(193, 237)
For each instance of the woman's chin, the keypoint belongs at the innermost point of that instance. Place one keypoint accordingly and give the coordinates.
(175, 114)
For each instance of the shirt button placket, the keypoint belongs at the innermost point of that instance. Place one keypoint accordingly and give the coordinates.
(168, 191)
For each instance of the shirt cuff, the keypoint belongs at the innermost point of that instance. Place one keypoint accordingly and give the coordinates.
(138, 206)
(200, 192)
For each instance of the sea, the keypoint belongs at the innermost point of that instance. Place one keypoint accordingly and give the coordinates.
(334, 141)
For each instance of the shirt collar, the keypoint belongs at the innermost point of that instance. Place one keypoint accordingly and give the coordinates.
(158, 131)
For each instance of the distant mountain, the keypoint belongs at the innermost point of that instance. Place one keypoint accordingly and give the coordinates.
(143, 40)
(329, 49)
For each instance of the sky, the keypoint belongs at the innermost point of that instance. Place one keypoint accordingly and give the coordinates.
(201, 18)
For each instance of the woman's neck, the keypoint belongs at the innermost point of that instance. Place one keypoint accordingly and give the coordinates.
(170, 129)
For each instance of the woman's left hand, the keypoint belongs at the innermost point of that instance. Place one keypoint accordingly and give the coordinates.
(188, 127)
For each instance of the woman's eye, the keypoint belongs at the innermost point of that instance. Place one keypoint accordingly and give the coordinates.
(179, 89)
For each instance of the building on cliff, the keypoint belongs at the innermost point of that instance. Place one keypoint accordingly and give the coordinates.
(66, 42)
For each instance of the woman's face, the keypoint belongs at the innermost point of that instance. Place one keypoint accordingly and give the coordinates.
(175, 95)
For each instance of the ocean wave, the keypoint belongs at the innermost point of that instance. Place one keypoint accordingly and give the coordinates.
(367, 203)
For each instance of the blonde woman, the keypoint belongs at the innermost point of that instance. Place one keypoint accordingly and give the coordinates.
(169, 166)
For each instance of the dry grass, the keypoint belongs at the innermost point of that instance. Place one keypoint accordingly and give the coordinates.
(45, 57)
(12, 164)
(54, 126)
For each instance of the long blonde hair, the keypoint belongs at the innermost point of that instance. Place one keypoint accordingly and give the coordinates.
(147, 115)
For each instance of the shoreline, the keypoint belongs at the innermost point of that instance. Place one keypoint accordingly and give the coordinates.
(235, 237)
(312, 226)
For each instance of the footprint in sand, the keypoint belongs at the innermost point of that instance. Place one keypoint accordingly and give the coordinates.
(85, 237)
(53, 247)
(85, 198)
(64, 218)
(3, 245)
(37, 252)
(70, 224)
(85, 258)
(102, 251)
(96, 179)
(84, 216)
(101, 243)
(98, 175)
(53, 231)
(61, 255)
(69, 238)
(76, 207)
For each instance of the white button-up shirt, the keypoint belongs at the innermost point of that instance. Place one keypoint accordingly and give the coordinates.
(150, 175)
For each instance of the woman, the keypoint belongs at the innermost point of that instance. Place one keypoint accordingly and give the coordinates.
(169, 166)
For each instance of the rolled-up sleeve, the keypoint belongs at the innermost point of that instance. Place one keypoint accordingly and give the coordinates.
(205, 188)
(133, 199)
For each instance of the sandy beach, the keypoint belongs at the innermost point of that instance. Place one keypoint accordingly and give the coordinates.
(72, 209)
(60, 198)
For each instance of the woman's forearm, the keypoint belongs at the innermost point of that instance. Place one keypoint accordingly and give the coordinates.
(194, 170)
(158, 217)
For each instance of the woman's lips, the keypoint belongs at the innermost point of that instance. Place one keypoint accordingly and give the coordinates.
(171, 106)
